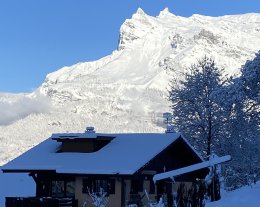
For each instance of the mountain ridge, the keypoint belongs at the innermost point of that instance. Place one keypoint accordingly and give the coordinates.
(127, 90)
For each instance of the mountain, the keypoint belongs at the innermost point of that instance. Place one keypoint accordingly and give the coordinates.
(127, 90)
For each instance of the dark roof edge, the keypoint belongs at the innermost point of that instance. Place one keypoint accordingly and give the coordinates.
(24, 170)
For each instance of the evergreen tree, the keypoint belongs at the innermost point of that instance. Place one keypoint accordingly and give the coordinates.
(222, 116)
(244, 124)
(196, 110)
(240, 101)
(250, 84)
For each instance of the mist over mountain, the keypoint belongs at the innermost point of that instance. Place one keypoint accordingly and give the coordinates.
(127, 90)
(14, 107)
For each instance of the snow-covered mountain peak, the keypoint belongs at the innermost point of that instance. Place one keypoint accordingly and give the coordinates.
(134, 28)
(249, 17)
(139, 12)
(127, 90)
(165, 13)
(140, 16)
(150, 47)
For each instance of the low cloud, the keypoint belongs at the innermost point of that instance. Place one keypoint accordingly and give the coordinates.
(11, 111)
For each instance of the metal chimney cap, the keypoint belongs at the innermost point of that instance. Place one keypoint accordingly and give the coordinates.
(167, 115)
(170, 129)
(90, 130)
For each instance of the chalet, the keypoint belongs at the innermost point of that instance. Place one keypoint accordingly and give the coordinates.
(70, 169)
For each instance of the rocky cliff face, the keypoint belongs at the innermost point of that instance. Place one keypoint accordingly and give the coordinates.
(127, 90)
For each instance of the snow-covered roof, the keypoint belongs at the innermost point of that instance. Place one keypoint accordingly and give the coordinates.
(61, 136)
(125, 154)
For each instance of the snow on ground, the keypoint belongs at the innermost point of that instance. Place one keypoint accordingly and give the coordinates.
(246, 196)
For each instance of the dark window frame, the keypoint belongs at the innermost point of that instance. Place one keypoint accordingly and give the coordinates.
(64, 193)
(94, 185)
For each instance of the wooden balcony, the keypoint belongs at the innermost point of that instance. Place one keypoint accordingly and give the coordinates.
(40, 202)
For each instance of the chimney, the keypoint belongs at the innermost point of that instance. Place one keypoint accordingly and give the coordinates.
(168, 121)
(90, 130)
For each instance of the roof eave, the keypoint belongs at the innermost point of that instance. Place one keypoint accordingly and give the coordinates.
(26, 170)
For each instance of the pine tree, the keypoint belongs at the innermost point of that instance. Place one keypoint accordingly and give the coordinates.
(247, 108)
(241, 101)
(196, 110)
(222, 116)
(250, 84)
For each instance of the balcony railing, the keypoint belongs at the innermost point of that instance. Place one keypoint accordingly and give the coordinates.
(40, 202)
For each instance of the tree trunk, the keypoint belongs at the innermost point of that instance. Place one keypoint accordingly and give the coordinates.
(209, 138)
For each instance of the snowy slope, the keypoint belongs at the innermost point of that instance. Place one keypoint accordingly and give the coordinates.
(127, 90)
(245, 196)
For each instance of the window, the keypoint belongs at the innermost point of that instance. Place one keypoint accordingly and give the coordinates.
(58, 189)
(101, 184)
(108, 185)
(61, 188)
(70, 189)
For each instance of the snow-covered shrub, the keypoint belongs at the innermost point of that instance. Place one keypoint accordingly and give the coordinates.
(152, 204)
(98, 199)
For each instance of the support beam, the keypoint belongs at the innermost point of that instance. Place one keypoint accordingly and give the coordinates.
(191, 168)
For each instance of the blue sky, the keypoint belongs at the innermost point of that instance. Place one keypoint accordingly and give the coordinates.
(40, 36)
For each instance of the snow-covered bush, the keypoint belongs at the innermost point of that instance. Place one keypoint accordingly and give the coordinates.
(159, 204)
(98, 199)
(153, 204)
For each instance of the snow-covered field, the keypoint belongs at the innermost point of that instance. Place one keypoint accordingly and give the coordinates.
(22, 185)
(248, 196)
